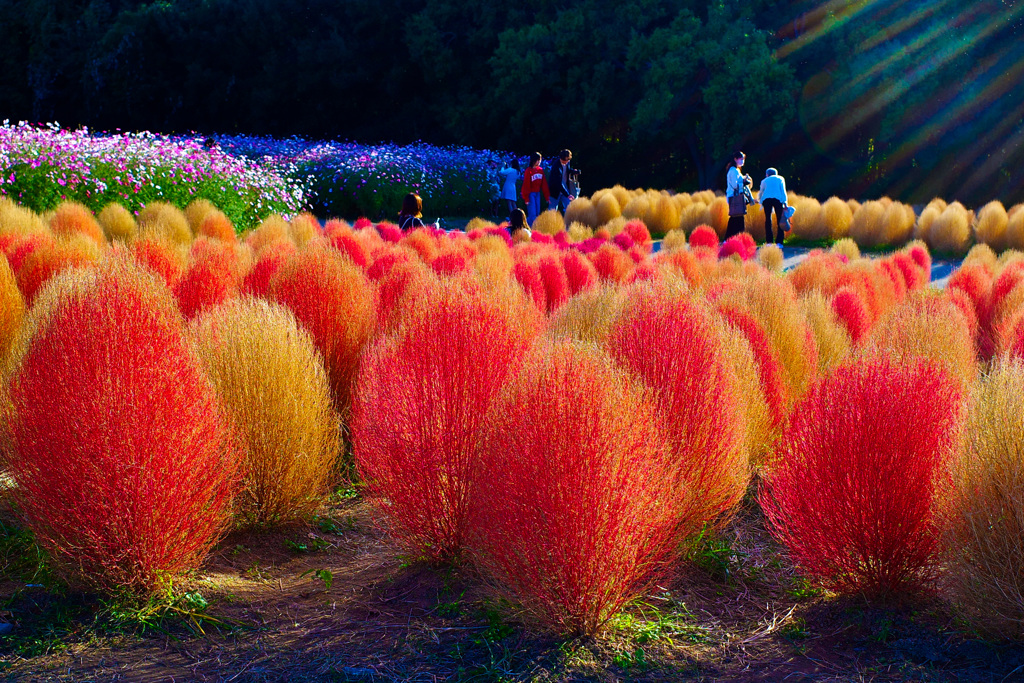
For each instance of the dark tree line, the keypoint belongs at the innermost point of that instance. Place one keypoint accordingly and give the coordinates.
(912, 98)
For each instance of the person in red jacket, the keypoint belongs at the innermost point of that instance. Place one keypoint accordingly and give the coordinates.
(535, 183)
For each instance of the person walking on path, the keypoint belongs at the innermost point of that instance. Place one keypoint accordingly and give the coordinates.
(734, 184)
(509, 177)
(560, 181)
(411, 216)
(535, 184)
(773, 197)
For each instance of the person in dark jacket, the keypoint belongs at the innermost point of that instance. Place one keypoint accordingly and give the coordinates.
(560, 181)
(411, 216)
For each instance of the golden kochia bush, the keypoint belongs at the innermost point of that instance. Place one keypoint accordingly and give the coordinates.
(771, 257)
(837, 216)
(990, 226)
(753, 222)
(758, 426)
(807, 223)
(303, 228)
(985, 541)
(549, 222)
(950, 232)
(927, 326)
(773, 303)
(582, 210)
(118, 223)
(271, 231)
(696, 214)
(1015, 227)
(846, 247)
(160, 219)
(272, 383)
(663, 213)
(833, 341)
(588, 316)
(606, 206)
(196, 211)
(982, 254)
(12, 307)
(718, 211)
(19, 220)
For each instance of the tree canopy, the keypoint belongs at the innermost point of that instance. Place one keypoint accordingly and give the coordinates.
(912, 98)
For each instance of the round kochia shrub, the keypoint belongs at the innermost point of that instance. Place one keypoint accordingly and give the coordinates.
(272, 383)
(333, 302)
(860, 472)
(573, 511)
(986, 550)
(420, 400)
(122, 459)
(669, 342)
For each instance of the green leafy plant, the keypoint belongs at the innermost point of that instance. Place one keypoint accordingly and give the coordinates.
(310, 545)
(325, 575)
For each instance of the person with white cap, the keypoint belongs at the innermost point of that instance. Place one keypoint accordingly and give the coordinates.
(773, 197)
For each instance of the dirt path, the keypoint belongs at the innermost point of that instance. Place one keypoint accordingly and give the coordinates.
(349, 609)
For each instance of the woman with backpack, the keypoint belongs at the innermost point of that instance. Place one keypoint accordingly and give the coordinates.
(734, 186)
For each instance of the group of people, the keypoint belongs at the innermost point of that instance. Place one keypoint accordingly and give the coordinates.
(559, 185)
(773, 199)
(553, 188)
(556, 187)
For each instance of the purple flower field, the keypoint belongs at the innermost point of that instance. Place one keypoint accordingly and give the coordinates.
(348, 179)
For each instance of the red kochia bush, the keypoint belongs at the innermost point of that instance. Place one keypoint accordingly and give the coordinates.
(205, 285)
(579, 271)
(704, 236)
(671, 345)
(572, 507)
(852, 312)
(420, 399)
(257, 280)
(742, 245)
(527, 274)
(861, 470)
(123, 462)
(556, 283)
(335, 303)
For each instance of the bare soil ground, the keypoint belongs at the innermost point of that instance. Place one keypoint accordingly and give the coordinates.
(336, 602)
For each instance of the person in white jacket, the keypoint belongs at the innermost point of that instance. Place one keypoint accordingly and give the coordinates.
(773, 197)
